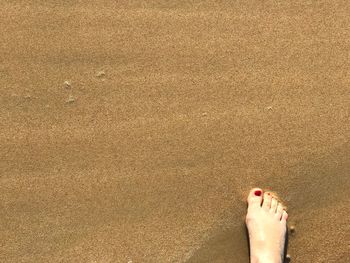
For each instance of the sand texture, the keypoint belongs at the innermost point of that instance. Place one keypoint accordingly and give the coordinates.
(131, 131)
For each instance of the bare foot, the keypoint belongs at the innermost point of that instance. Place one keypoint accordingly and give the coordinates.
(267, 224)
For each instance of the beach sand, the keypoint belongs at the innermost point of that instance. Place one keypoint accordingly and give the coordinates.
(132, 131)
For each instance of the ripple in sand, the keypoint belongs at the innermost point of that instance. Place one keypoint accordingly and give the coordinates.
(67, 84)
(292, 229)
(100, 74)
(71, 99)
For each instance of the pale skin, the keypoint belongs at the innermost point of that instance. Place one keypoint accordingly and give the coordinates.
(266, 221)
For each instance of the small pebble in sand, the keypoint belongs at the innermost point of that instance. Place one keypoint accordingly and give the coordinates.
(27, 96)
(288, 258)
(204, 114)
(292, 229)
(70, 99)
(100, 74)
(67, 84)
(269, 107)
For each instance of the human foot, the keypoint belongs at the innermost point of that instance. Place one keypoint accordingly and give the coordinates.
(266, 221)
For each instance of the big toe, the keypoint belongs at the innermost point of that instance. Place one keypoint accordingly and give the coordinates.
(255, 197)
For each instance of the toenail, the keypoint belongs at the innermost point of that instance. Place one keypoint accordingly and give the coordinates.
(257, 193)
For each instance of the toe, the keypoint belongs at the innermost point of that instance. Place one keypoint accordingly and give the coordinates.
(267, 201)
(274, 204)
(284, 216)
(255, 197)
(279, 211)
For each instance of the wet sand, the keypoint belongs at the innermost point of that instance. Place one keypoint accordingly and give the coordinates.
(131, 131)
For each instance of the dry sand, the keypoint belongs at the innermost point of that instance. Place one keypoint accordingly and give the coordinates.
(131, 131)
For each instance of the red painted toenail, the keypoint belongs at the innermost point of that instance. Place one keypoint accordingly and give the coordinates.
(257, 193)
